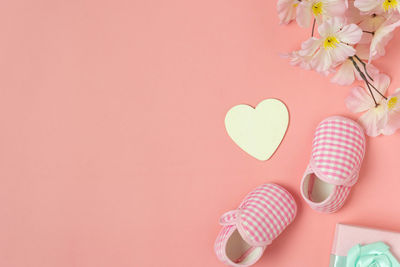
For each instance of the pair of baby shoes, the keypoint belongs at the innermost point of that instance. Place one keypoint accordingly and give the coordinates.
(337, 153)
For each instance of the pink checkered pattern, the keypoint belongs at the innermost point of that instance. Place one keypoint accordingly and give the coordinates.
(337, 153)
(261, 217)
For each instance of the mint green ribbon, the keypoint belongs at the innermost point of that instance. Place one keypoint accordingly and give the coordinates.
(371, 255)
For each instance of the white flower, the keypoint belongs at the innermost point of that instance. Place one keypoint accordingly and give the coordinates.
(334, 45)
(376, 117)
(287, 10)
(381, 38)
(318, 9)
(377, 6)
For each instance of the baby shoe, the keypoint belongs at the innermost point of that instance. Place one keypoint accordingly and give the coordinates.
(261, 217)
(337, 153)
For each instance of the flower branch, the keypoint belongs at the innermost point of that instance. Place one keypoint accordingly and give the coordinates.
(351, 34)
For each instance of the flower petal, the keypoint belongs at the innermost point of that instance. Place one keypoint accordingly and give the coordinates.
(371, 70)
(353, 14)
(374, 121)
(393, 124)
(366, 5)
(345, 74)
(334, 7)
(321, 61)
(309, 46)
(350, 34)
(330, 26)
(287, 10)
(394, 114)
(381, 82)
(296, 59)
(303, 14)
(381, 37)
(376, 118)
(363, 51)
(372, 22)
(359, 100)
(341, 52)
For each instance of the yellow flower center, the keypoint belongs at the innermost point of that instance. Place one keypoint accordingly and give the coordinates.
(389, 4)
(317, 8)
(330, 42)
(392, 102)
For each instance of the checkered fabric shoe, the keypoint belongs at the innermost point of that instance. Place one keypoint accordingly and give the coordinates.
(337, 153)
(261, 217)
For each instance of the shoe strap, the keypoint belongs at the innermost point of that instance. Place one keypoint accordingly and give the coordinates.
(229, 218)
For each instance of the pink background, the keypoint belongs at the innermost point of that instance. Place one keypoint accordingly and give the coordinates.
(113, 150)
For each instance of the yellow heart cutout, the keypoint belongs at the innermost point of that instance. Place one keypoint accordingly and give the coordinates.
(258, 131)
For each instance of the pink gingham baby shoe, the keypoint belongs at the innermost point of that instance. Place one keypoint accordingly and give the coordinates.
(337, 153)
(261, 217)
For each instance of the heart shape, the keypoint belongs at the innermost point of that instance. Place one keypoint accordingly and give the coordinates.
(258, 131)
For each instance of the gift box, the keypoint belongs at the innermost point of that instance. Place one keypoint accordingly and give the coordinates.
(356, 246)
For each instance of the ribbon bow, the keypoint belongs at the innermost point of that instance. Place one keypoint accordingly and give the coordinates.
(371, 255)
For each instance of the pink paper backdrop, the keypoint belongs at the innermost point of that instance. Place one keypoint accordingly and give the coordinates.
(113, 150)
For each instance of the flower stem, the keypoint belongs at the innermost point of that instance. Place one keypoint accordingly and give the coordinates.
(369, 32)
(364, 78)
(313, 27)
(377, 90)
(365, 67)
(370, 91)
